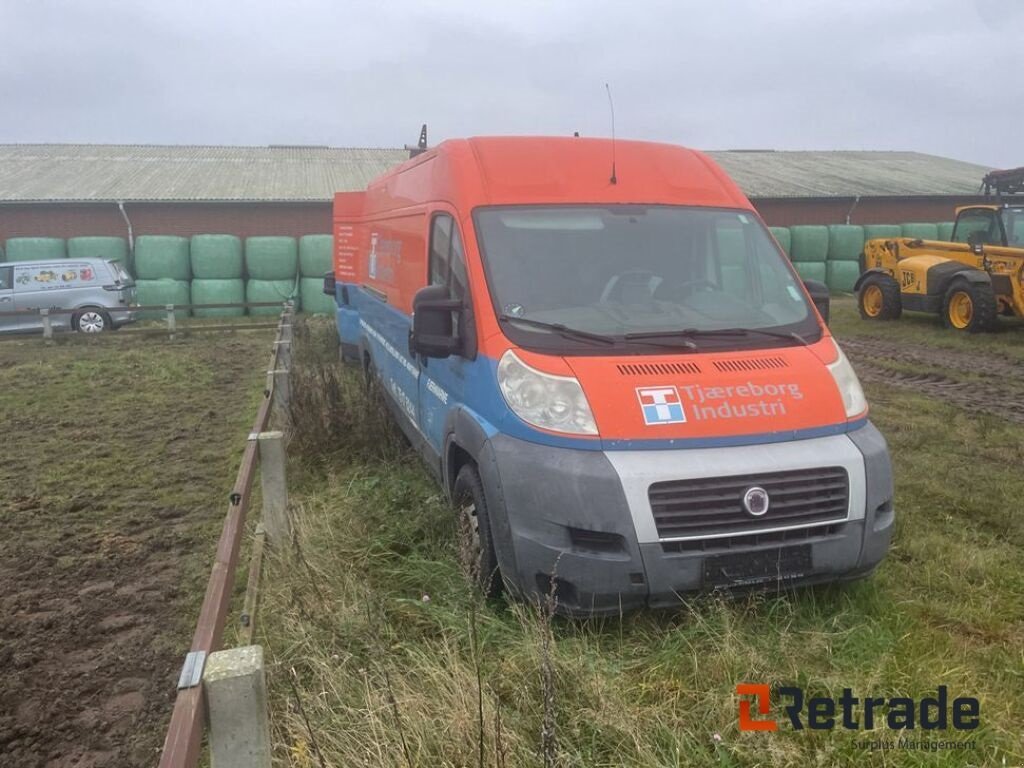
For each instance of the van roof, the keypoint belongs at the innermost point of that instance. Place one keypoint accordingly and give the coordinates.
(512, 170)
(51, 262)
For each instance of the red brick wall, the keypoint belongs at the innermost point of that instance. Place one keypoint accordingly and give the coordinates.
(296, 219)
(783, 212)
(242, 219)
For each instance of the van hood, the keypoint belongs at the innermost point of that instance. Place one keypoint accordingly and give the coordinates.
(767, 393)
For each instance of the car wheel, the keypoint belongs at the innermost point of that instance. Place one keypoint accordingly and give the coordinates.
(475, 545)
(91, 320)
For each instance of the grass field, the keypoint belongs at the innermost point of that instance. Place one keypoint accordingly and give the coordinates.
(382, 656)
(117, 456)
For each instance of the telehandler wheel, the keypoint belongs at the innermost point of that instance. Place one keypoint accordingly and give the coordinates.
(879, 298)
(969, 307)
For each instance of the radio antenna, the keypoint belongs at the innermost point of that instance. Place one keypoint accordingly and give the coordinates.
(611, 106)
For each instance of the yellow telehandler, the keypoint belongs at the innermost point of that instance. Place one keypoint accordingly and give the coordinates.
(969, 281)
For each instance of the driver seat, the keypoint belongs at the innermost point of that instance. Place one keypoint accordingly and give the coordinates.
(631, 288)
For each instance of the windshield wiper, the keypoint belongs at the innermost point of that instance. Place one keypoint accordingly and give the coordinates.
(564, 330)
(689, 333)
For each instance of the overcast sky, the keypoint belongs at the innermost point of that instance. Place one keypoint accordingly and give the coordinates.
(938, 76)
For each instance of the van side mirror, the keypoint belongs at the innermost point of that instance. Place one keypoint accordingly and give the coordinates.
(330, 284)
(433, 331)
(820, 296)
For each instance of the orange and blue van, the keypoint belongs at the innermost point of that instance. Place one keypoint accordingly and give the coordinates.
(612, 369)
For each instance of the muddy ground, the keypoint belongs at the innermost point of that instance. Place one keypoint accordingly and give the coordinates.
(116, 456)
(976, 381)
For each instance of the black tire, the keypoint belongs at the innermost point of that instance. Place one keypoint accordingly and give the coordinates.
(473, 531)
(91, 320)
(878, 298)
(980, 300)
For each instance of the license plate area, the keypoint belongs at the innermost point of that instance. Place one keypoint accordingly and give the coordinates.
(747, 568)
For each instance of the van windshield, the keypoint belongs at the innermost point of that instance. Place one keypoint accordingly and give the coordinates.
(624, 271)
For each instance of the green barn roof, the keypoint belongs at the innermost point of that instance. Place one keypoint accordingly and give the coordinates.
(82, 173)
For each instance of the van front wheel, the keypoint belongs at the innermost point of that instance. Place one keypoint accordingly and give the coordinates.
(476, 547)
(91, 320)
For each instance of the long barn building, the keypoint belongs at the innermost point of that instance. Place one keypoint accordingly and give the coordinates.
(67, 190)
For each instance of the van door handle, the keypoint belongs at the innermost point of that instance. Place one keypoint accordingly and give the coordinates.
(5, 298)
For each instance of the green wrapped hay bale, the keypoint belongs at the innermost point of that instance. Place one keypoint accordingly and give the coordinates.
(919, 230)
(845, 242)
(808, 243)
(218, 291)
(888, 231)
(271, 258)
(811, 270)
(314, 300)
(217, 257)
(107, 248)
(781, 234)
(841, 275)
(278, 291)
(35, 249)
(946, 231)
(162, 291)
(162, 257)
(316, 255)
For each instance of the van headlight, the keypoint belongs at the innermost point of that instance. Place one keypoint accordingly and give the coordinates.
(849, 386)
(556, 403)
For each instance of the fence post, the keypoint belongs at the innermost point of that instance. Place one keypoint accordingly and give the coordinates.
(274, 486)
(235, 686)
(172, 322)
(47, 326)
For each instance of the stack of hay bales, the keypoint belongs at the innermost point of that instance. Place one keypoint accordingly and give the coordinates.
(106, 248)
(163, 272)
(781, 235)
(921, 231)
(36, 249)
(875, 231)
(845, 246)
(808, 251)
(217, 274)
(316, 257)
(272, 266)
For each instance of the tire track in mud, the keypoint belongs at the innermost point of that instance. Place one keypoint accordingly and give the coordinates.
(1000, 391)
(967, 362)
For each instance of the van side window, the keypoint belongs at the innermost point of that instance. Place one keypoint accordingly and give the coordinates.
(440, 247)
(6, 278)
(447, 259)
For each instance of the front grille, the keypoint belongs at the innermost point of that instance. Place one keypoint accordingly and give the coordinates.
(714, 506)
(751, 540)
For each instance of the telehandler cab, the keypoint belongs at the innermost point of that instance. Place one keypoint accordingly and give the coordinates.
(969, 281)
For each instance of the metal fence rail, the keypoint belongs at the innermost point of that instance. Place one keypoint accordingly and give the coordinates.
(142, 308)
(183, 742)
(170, 313)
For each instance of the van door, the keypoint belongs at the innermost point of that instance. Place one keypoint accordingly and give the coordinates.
(442, 381)
(43, 286)
(7, 322)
